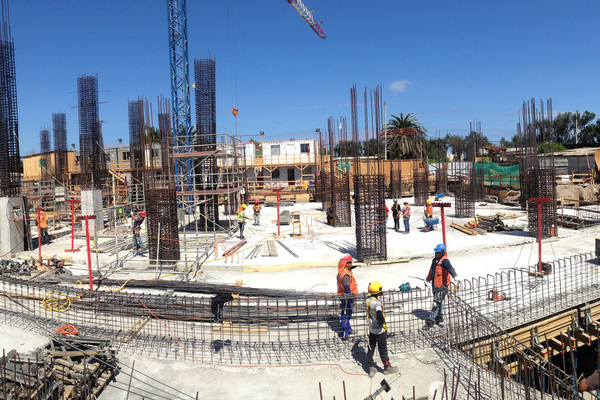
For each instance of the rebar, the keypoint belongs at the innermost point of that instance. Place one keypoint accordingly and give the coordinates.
(59, 128)
(10, 158)
(420, 183)
(91, 145)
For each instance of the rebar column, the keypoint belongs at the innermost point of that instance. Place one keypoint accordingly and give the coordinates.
(91, 145)
(420, 185)
(464, 199)
(59, 128)
(10, 158)
(371, 243)
(205, 176)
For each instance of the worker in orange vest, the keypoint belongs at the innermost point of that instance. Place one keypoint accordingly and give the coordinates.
(428, 209)
(347, 288)
(440, 274)
(42, 221)
(256, 210)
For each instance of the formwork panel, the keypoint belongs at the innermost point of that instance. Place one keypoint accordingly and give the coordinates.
(369, 210)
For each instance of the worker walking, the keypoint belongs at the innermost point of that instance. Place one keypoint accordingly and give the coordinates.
(377, 331)
(241, 217)
(396, 210)
(42, 222)
(348, 288)
(256, 210)
(406, 217)
(138, 243)
(440, 274)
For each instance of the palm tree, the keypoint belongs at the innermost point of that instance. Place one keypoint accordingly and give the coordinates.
(408, 136)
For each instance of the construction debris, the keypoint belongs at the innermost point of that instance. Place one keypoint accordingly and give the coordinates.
(73, 368)
(269, 249)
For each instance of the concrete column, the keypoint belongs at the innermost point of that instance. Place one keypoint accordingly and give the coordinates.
(12, 225)
(91, 204)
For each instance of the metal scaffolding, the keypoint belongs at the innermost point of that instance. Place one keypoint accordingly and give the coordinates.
(10, 158)
(59, 129)
(91, 146)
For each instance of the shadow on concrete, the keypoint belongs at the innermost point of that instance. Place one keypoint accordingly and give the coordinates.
(421, 314)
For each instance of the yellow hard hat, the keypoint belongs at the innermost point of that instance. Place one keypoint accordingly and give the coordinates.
(428, 201)
(243, 206)
(375, 287)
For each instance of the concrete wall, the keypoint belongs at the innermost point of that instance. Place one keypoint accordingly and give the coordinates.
(11, 225)
(91, 204)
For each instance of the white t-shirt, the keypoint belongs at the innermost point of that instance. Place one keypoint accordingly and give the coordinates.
(373, 306)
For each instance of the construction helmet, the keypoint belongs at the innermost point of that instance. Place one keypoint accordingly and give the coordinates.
(440, 248)
(143, 213)
(256, 200)
(375, 287)
(428, 201)
(347, 258)
(243, 206)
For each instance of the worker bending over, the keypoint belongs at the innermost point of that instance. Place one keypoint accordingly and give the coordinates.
(377, 331)
(428, 209)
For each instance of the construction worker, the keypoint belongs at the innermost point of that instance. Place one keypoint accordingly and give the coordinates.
(42, 222)
(329, 215)
(377, 331)
(137, 228)
(241, 218)
(396, 210)
(217, 303)
(406, 217)
(590, 383)
(346, 286)
(256, 210)
(440, 274)
(428, 209)
(384, 212)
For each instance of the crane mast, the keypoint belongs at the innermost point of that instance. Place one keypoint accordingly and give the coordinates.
(307, 16)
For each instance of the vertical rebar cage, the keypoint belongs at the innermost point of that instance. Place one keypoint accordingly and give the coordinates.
(91, 145)
(59, 128)
(10, 158)
(371, 243)
(420, 185)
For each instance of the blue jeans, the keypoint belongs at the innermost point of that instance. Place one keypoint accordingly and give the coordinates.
(345, 327)
(138, 242)
(407, 225)
(437, 311)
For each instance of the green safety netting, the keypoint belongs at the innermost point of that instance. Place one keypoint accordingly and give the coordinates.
(497, 175)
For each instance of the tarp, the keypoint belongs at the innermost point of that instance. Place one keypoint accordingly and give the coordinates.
(496, 175)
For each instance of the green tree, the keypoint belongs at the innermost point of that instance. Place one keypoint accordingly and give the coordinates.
(410, 145)
(371, 147)
(458, 145)
(348, 148)
(438, 149)
(564, 127)
(506, 143)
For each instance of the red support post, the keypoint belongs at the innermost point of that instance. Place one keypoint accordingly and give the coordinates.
(442, 206)
(72, 201)
(89, 252)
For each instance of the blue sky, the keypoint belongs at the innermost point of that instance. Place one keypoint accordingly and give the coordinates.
(449, 62)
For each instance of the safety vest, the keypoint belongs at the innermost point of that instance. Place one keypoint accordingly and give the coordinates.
(406, 211)
(441, 276)
(240, 215)
(353, 285)
(429, 210)
(43, 223)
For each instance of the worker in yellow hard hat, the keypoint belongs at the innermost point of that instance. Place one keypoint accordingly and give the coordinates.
(428, 209)
(377, 330)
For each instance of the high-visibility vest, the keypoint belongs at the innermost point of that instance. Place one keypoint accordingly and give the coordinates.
(429, 210)
(353, 285)
(240, 215)
(43, 222)
(440, 275)
(406, 211)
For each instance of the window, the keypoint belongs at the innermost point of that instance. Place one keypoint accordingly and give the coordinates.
(275, 150)
(304, 147)
(276, 173)
(126, 155)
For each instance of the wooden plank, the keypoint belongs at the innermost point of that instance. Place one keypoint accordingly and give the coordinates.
(73, 353)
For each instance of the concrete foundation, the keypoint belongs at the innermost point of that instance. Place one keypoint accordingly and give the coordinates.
(12, 225)
(91, 204)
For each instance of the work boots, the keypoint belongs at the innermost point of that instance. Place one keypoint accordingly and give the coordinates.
(372, 372)
(390, 370)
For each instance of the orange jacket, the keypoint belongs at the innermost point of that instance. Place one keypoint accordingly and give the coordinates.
(429, 210)
(440, 275)
(43, 221)
(342, 271)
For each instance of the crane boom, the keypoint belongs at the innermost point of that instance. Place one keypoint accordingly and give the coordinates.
(307, 16)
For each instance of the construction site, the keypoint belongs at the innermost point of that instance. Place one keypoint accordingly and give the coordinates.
(208, 307)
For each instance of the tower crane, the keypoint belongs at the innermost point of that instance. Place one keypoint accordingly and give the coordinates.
(307, 16)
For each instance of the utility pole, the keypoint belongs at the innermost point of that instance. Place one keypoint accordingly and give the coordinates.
(576, 115)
